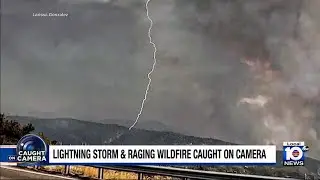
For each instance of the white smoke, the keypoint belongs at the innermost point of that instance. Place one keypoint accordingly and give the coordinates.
(292, 113)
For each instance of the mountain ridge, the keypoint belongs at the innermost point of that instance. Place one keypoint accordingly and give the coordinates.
(73, 131)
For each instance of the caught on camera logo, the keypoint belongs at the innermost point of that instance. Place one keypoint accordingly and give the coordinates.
(30, 149)
(294, 153)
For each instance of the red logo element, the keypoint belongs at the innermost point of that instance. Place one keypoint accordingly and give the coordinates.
(295, 153)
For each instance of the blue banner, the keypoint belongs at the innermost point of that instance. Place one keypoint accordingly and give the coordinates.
(8, 154)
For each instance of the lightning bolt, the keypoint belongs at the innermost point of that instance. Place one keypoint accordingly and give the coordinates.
(152, 69)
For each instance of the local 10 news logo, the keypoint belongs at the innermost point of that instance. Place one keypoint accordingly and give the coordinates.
(30, 149)
(294, 153)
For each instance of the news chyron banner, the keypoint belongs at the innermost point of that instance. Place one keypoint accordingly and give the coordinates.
(31, 149)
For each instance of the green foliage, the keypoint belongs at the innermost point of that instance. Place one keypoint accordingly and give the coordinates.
(11, 131)
(46, 139)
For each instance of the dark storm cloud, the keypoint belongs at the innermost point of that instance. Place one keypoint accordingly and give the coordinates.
(93, 64)
(67, 65)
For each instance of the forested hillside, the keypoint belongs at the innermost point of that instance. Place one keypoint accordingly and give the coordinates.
(72, 131)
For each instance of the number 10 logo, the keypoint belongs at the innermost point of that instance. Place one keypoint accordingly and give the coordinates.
(293, 153)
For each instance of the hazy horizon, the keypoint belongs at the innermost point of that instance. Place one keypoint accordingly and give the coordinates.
(242, 71)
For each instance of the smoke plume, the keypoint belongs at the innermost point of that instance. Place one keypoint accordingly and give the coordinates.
(246, 71)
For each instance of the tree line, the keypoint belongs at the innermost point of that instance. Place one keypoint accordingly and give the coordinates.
(11, 131)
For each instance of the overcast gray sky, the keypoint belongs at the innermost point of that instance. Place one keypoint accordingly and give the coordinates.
(93, 64)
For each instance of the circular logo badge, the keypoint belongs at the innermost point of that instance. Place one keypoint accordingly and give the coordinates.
(295, 153)
(30, 146)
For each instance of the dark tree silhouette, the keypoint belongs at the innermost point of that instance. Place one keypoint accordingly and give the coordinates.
(11, 131)
(27, 129)
(46, 139)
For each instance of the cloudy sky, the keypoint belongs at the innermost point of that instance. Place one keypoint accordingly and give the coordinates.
(93, 64)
